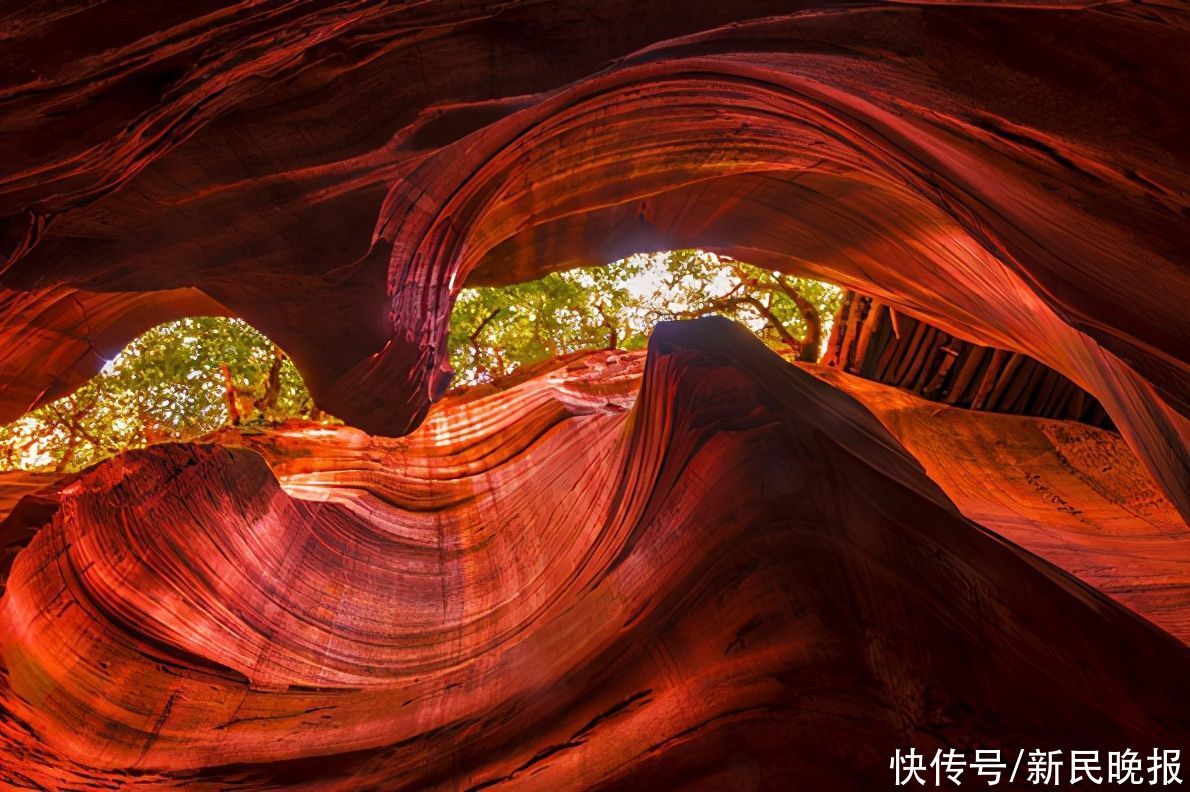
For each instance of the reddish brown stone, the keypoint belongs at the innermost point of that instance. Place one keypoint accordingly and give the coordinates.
(1013, 175)
(541, 589)
(745, 579)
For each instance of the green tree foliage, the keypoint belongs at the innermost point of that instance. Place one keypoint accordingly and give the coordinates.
(187, 378)
(496, 330)
(171, 383)
(493, 331)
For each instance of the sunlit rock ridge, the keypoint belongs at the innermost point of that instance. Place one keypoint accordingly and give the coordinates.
(704, 566)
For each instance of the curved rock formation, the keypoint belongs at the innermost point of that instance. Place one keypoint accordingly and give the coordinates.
(544, 587)
(734, 576)
(1070, 493)
(1013, 175)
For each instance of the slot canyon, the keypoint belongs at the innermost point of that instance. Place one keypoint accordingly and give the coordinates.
(700, 565)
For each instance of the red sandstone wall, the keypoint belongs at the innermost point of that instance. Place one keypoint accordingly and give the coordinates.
(1010, 174)
(543, 588)
(738, 577)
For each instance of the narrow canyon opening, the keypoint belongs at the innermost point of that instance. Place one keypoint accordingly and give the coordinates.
(178, 381)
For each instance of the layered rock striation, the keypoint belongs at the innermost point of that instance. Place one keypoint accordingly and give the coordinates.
(708, 566)
(1013, 175)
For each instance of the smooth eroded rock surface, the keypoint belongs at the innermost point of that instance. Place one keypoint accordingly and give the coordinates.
(335, 172)
(736, 576)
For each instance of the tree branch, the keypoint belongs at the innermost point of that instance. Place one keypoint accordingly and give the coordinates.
(810, 316)
(474, 337)
(727, 303)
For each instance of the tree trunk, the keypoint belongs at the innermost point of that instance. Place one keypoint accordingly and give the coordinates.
(812, 340)
(229, 391)
(613, 336)
(272, 388)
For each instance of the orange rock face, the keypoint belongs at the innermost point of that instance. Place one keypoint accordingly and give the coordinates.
(737, 575)
(546, 587)
(1012, 175)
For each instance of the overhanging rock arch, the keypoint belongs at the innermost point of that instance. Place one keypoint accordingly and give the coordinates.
(984, 169)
